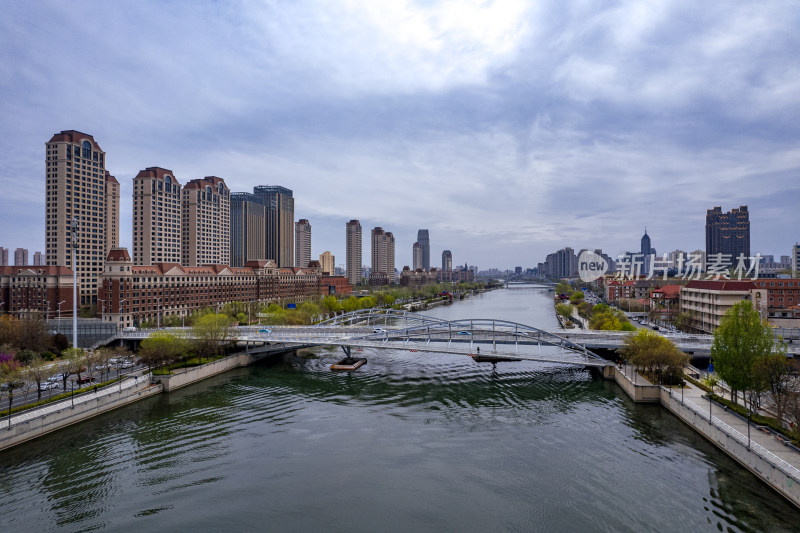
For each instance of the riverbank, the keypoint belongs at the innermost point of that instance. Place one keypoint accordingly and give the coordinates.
(34, 423)
(757, 449)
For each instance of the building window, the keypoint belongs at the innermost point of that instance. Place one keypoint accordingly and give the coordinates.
(87, 150)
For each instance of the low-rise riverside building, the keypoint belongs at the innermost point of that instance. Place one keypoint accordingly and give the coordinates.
(29, 290)
(132, 294)
(708, 301)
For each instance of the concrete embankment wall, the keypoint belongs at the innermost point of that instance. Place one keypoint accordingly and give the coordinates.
(34, 424)
(759, 466)
(29, 425)
(182, 377)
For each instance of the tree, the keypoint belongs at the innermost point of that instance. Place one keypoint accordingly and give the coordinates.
(103, 357)
(771, 373)
(576, 298)
(39, 370)
(161, 348)
(71, 362)
(211, 333)
(32, 334)
(739, 341)
(9, 378)
(657, 356)
(564, 310)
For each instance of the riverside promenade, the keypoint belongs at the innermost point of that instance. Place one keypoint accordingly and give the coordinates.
(769, 456)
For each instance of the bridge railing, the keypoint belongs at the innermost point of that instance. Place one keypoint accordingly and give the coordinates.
(781, 464)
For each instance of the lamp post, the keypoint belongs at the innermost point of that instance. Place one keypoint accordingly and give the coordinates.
(158, 313)
(120, 307)
(74, 237)
(72, 388)
(47, 310)
(59, 314)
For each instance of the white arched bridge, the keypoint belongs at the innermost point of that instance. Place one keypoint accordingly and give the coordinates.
(482, 338)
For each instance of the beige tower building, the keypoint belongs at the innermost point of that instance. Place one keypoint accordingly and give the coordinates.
(112, 212)
(328, 263)
(353, 252)
(20, 256)
(248, 229)
(79, 187)
(156, 217)
(302, 243)
(206, 213)
(382, 257)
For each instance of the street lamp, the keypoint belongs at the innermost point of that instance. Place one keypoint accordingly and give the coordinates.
(59, 314)
(102, 308)
(74, 237)
(47, 310)
(158, 313)
(120, 307)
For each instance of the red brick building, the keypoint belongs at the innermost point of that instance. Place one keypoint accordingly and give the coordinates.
(26, 290)
(782, 296)
(132, 294)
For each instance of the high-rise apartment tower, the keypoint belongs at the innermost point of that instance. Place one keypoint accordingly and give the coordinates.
(157, 220)
(206, 212)
(353, 252)
(302, 243)
(279, 205)
(79, 187)
(424, 240)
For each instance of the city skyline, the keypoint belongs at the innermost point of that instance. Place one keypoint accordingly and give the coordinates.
(501, 124)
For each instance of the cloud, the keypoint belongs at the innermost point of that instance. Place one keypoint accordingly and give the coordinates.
(506, 128)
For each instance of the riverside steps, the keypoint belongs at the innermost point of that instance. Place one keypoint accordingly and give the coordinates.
(777, 464)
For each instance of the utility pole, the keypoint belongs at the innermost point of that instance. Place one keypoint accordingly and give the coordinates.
(74, 241)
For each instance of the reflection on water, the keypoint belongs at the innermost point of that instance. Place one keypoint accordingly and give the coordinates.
(411, 441)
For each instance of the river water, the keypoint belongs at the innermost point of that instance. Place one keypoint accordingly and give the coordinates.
(409, 442)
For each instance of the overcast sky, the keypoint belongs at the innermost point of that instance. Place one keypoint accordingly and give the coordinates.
(508, 129)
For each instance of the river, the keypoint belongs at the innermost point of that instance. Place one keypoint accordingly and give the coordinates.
(409, 442)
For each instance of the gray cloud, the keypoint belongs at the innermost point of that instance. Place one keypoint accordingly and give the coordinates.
(508, 130)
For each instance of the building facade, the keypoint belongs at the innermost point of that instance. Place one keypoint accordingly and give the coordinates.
(382, 257)
(728, 233)
(353, 262)
(3, 256)
(38, 259)
(157, 219)
(416, 256)
(27, 291)
(78, 188)
(327, 262)
(302, 243)
(248, 229)
(423, 238)
(134, 294)
(279, 232)
(21, 257)
(796, 261)
(206, 214)
(447, 261)
(706, 302)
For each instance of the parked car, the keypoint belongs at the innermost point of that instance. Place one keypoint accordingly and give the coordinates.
(378, 330)
(265, 331)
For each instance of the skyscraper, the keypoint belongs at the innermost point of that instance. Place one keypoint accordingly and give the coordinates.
(728, 233)
(279, 205)
(248, 228)
(646, 249)
(206, 212)
(424, 240)
(390, 257)
(353, 252)
(416, 256)
(302, 243)
(20, 256)
(79, 187)
(157, 220)
(38, 259)
(382, 257)
(447, 261)
(795, 260)
(327, 261)
(3, 256)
